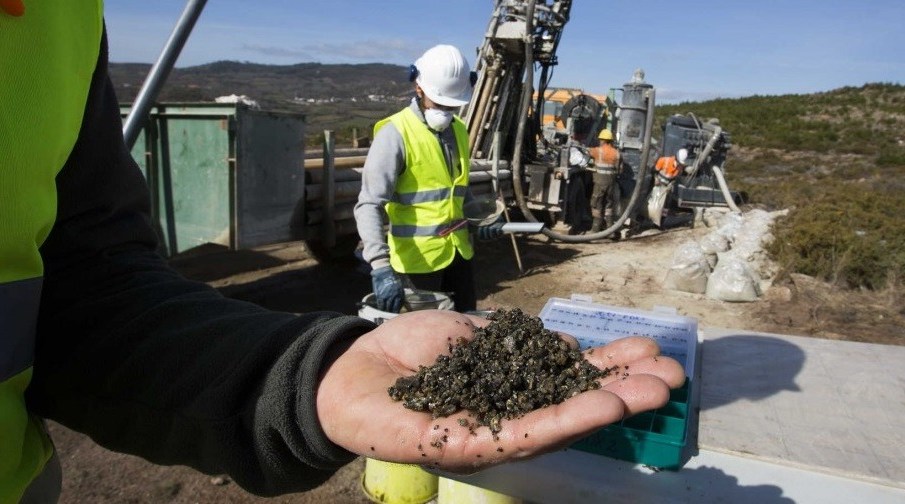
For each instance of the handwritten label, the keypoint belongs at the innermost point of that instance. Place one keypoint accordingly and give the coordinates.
(595, 325)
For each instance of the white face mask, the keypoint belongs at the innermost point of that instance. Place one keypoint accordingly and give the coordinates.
(437, 119)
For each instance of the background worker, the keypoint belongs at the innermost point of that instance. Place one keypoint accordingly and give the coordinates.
(667, 169)
(98, 333)
(670, 167)
(577, 211)
(416, 175)
(606, 166)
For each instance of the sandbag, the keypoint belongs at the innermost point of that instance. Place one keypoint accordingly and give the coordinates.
(715, 243)
(733, 281)
(656, 201)
(690, 269)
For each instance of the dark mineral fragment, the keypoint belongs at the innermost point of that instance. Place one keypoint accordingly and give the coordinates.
(511, 367)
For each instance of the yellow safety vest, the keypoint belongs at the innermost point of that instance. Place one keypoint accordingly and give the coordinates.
(49, 54)
(427, 223)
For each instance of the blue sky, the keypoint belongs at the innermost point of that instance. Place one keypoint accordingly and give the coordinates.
(690, 50)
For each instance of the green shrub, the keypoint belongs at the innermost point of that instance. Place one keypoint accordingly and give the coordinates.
(846, 234)
(836, 160)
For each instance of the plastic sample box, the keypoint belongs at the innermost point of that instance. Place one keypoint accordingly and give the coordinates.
(656, 438)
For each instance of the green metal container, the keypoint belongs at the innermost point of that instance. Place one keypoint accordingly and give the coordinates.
(222, 173)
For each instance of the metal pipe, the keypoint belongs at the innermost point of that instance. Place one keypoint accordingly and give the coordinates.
(338, 162)
(342, 227)
(478, 123)
(339, 153)
(485, 110)
(348, 189)
(344, 211)
(328, 193)
(483, 176)
(160, 71)
(340, 175)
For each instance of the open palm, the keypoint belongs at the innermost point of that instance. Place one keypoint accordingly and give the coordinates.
(358, 414)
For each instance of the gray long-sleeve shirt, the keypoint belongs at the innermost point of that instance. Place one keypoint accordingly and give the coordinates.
(384, 164)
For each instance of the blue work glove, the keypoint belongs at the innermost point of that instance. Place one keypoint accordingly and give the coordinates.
(491, 231)
(387, 289)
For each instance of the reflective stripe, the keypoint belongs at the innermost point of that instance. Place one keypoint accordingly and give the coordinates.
(18, 317)
(428, 196)
(406, 231)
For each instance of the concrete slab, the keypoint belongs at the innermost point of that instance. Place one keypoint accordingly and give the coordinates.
(782, 419)
(829, 406)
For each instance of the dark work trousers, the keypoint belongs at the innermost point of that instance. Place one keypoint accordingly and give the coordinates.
(457, 279)
(602, 200)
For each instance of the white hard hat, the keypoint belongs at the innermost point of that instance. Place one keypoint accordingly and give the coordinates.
(444, 75)
(681, 156)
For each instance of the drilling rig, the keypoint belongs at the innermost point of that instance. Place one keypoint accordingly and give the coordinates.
(504, 119)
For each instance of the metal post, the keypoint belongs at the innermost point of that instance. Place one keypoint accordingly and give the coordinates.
(498, 190)
(159, 72)
(328, 193)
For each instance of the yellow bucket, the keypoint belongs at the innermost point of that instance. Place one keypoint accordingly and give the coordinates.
(397, 483)
(455, 492)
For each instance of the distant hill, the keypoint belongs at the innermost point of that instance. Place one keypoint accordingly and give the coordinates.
(342, 98)
(273, 86)
(865, 120)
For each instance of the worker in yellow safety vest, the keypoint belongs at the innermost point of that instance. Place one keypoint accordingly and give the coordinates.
(416, 175)
(98, 333)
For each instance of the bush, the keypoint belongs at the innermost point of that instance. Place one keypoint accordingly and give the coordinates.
(848, 234)
(840, 169)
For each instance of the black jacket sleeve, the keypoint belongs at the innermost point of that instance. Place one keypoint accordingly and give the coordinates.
(149, 363)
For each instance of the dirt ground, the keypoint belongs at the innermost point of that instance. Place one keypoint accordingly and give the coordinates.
(627, 273)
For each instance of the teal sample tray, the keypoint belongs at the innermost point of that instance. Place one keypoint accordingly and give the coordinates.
(655, 438)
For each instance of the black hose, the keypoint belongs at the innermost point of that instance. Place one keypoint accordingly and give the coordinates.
(636, 193)
(519, 140)
(527, 83)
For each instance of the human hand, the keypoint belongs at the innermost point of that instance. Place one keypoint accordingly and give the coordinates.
(491, 231)
(357, 413)
(387, 289)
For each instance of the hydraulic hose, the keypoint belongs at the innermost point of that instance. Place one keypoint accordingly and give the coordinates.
(724, 188)
(717, 131)
(717, 172)
(636, 193)
(527, 83)
(520, 138)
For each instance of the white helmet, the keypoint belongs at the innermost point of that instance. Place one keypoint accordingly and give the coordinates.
(681, 156)
(444, 75)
